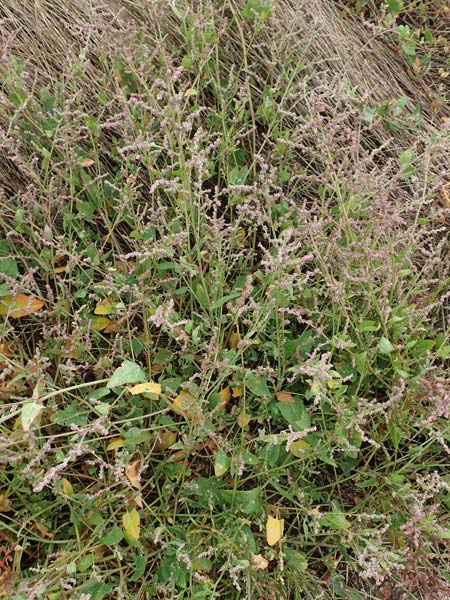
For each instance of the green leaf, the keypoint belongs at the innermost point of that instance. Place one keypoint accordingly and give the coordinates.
(248, 501)
(222, 463)
(385, 346)
(409, 48)
(114, 536)
(254, 9)
(257, 385)
(295, 414)
(140, 563)
(406, 157)
(395, 434)
(128, 372)
(29, 413)
(335, 520)
(97, 590)
(8, 266)
(237, 176)
(444, 352)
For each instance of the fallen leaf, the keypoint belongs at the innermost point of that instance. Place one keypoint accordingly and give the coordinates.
(133, 473)
(236, 392)
(131, 523)
(147, 387)
(187, 406)
(5, 503)
(285, 397)
(274, 530)
(225, 396)
(112, 327)
(19, 305)
(243, 419)
(258, 562)
(87, 162)
(445, 194)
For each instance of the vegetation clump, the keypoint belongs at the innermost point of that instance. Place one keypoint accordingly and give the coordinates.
(224, 300)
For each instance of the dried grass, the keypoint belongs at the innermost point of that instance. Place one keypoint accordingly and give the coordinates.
(333, 45)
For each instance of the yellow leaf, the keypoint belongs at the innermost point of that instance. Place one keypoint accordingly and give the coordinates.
(274, 530)
(67, 487)
(99, 323)
(60, 269)
(166, 438)
(233, 340)
(112, 327)
(105, 307)
(258, 562)
(285, 397)
(225, 396)
(131, 523)
(19, 305)
(298, 447)
(133, 473)
(116, 443)
(87, 162)
(243, 419)
(186, 406)
(43, 530)
(142, 388)
(5, 503)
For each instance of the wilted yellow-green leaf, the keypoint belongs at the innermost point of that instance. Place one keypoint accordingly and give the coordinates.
(186, 406)
(141, 388)
(29, 413)
(133, 473)
(116, 443)
(43, 529)
(233, 340)
(131, 523)
(19, 305)
(298, 447)
(100, 323)
(67, 487)
(274, 530)
(225, 396)
(61, 269)
(166, 438)
(105, 307)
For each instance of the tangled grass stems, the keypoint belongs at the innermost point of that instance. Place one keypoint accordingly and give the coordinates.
(240, 206)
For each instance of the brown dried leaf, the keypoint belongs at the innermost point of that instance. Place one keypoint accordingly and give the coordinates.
(133, 473)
